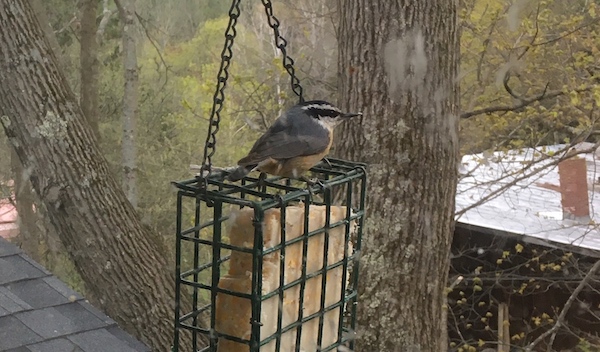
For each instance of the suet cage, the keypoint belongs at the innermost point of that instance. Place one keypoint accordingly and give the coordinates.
(269, 264)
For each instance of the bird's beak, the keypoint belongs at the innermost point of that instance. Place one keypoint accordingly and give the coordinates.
(348, 115)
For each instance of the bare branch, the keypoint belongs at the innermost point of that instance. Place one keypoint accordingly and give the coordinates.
(106, 14)
(141, 20)
(509, 89)
(561, 317)
(119, 6)
(566, 34)
(486, 44)
(523, 102)
(535, 35)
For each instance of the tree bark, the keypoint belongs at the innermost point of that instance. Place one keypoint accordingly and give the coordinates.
(124, 267)
(398, 63)
(130, 99)
(89, 64)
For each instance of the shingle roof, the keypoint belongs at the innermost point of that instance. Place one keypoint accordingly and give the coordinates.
(526, 207)
(39, 313)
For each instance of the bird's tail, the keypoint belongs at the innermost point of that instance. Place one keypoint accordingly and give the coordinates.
(239, 173)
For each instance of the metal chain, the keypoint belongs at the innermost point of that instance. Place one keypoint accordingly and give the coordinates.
(280, 42)
(219, 96)
(223, 75)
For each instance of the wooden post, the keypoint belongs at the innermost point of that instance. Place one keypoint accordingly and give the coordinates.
(503, 328)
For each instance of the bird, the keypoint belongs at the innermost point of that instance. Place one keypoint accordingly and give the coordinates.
(298, 140)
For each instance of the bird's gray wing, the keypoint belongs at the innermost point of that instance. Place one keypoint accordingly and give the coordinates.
(285, 140)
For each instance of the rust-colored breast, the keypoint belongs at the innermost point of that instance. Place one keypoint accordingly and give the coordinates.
(296, 166)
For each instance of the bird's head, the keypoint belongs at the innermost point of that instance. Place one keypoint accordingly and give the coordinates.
(326, 113)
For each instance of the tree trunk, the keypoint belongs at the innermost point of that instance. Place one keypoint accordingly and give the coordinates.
(124, 267)
(130, 98)
(398, 63)
(89, 64)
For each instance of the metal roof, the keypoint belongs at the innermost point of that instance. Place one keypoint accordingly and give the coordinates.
(507, 193)
(39, 313)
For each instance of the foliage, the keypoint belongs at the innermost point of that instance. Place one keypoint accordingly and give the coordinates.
(511, 52)
(515, 52)
(535, 281)
(179, 53)
(177, 101)
(535, 47)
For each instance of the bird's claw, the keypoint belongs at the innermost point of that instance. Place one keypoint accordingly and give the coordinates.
(313, 182)
(326, 161)
(279, 198)
(261, 180)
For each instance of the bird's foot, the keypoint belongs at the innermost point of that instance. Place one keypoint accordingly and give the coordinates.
(217, 172)
(326, 161)
(279, 198)
(261, 180)
(313, 182)
(310, 183)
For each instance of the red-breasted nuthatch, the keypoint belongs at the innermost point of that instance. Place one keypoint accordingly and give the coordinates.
(298, 140)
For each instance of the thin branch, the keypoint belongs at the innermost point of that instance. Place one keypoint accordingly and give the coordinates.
(561, 317)
(509, 90)
(155, 45)
(106, 14)
(71, 21)
(67, 26)
(486, 44)
(523, 103)
(535, 35)
(566, 34)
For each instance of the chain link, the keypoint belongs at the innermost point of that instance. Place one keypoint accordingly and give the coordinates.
(219, 96)
(223, 75)
(281, 42)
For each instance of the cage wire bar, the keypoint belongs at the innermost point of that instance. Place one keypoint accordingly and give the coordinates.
(204, 250)
(208, 256)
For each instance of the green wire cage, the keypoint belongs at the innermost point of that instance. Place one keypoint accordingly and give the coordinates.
(267, 264)
(293, 252)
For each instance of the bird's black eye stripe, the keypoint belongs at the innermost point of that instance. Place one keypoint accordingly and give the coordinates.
(324, 112)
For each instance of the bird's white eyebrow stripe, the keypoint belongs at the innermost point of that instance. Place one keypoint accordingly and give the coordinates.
(321, 107)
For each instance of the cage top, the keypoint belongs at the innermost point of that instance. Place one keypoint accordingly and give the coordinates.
(269, 192)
